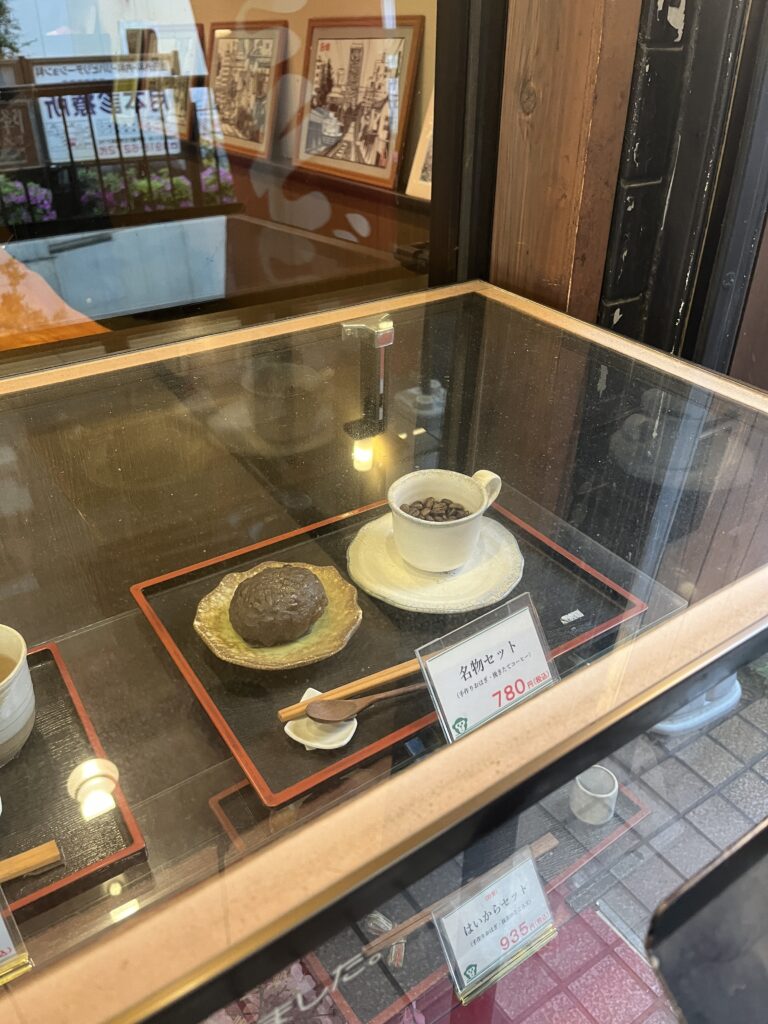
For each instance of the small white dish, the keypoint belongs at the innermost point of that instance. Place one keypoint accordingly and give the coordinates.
(493, 570)
(319, 735)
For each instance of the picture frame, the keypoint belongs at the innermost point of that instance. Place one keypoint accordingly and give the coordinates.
(360, 78)
(19, 135)
(246, 61)
(420, 179)
(185, 42)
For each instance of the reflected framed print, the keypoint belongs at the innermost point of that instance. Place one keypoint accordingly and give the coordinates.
(359, 82)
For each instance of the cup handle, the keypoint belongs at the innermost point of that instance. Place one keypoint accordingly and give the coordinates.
(491, 484)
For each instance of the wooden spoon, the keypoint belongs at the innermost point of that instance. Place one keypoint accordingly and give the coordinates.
(331, 711)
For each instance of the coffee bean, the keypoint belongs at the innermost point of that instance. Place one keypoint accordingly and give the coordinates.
(435, 510)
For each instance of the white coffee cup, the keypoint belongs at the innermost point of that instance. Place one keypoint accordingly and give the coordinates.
(440, 547)
(17, 698)
(593, 795)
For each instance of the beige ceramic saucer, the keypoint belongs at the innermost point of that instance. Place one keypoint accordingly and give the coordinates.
(494, 569)
(328, 636)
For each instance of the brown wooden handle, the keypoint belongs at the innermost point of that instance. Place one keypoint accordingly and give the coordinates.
(367, 702)
(37, 859)
(353, 689)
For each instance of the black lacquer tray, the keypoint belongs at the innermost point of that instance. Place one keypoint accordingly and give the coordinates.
(243, 703)
(37, 807)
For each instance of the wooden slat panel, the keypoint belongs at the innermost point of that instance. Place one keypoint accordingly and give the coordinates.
(567, 76)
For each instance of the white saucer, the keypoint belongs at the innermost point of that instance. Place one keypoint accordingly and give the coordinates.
(495, 568)
(320, 735)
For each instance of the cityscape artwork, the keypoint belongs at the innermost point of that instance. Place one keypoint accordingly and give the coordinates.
(245, 63)
(360, 81)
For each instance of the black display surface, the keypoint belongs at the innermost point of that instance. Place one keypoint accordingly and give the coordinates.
(37, 807)
(246, 702)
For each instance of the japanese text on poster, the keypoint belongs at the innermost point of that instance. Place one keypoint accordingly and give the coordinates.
(109, 125)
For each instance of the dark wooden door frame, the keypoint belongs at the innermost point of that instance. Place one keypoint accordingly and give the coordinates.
(727, 288)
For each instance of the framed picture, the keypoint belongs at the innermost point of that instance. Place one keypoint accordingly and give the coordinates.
(420, 178)
(19, 141)
(245, 64)
(360, 78)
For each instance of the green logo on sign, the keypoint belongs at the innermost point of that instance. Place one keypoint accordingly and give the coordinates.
(471, 971)
(460, 726)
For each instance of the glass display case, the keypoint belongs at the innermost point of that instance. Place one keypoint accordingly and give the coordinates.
(222, 859)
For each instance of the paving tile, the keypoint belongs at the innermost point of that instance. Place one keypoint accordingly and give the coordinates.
(557, 803)
(750, 794)
(632, 861)
(676, 784)
(640, 754)
(719, 821)
(762, 767)
(560, 1009)
(674, 742)
(757, 713)
(741, 738)
(711, 761)
(651, 881)
(611, 993)
(601, 927)
(660, 813)
(639, 966)
(629, 910)
(586, 895)
(524, 988)
(684, 847)
(664, 1015)
(575, 946)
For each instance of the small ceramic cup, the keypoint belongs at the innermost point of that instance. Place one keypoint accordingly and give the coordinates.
(440, 547)
(593, 795)
(17, 699)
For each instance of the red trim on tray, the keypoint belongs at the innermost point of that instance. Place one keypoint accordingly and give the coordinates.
(137, 840)
(221, 815)
(254, 776)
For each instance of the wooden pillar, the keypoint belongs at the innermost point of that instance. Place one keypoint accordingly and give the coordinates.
(568, 72)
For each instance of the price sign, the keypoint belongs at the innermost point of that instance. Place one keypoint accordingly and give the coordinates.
(493, 926)
(14, 959)
(487, 667)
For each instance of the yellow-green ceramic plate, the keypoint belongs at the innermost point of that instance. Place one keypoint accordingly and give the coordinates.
(328, 635)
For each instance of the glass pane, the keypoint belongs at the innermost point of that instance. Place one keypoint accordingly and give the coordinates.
(679, 799)
(169, 170)
(130, 490)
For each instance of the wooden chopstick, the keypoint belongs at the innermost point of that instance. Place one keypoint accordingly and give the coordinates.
(353, 689)
(37, 859)
(541, 846)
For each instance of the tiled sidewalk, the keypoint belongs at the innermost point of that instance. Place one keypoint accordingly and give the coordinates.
(700, 793)
(705, 790)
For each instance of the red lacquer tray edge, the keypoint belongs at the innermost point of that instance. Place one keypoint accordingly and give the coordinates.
(254, 776)
(137, 843)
